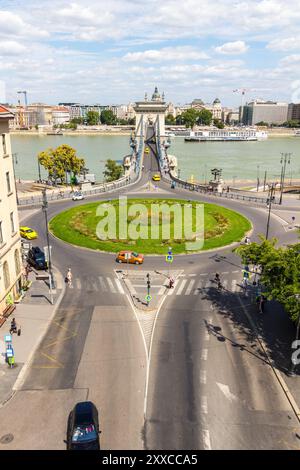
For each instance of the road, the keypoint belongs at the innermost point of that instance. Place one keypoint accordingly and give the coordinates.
(203, 383)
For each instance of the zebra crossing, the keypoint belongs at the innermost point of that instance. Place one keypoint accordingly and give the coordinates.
(183, 286)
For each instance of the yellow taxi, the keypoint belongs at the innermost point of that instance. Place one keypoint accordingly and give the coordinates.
(29, 233)
(156, 177)
(130, 257)
(147, 150)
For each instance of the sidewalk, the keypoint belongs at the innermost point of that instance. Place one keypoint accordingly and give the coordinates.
(33, 315)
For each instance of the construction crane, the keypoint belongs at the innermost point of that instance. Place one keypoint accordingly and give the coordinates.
(21, 116)
(243, 92)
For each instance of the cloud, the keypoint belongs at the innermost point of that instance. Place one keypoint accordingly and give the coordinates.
(11, 48)
(166, 54)
(232, 48)
(286, 44)
(12, 24)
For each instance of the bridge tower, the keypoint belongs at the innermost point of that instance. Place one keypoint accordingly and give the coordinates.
(151, 113)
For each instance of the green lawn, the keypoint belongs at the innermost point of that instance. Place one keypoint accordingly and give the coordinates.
(78, 226)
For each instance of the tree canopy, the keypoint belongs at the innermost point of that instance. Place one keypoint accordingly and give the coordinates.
(113, 171)
(280, 272)
(60, 162)
(108, 117)
(92, 118)
(192, 116)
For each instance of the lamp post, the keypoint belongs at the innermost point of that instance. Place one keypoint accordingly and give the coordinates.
(285, 158)
(269, 204)
(45, 209)
(39, 170)
(257, 186)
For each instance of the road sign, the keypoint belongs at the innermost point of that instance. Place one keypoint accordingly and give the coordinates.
(7, 338)
(246, 275)
(169, 258)
(148, 298)
(9, 352)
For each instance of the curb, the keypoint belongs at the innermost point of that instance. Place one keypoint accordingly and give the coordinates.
(21, 377)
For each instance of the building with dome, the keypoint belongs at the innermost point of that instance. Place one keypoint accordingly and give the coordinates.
(215, 108)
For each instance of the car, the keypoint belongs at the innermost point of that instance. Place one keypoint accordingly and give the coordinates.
(156, 177)
(36, 258)
(78, 196)
(130, 257)
(83, 427)
(29, 233)
(147, 150)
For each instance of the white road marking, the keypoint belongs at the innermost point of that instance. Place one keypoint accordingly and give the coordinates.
(112, 287)
(198, 288)
(206, 336)
(102, 284)
(206, 439)
(225, 389)
(173, 289)
(181, 287)
(161, 290)
(233, 285)
(78, 283)
(119, 286)
(204, 354)
(203, 376)
(225, 272)
(204, 408)
(192, 275)
(204, 274)
(234, 272)
(190, 286)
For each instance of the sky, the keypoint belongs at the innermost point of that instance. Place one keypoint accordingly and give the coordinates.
(113, 51)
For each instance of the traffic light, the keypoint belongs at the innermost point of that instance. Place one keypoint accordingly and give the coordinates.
(148, 281)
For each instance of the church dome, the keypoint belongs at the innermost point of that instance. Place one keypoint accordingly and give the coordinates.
(217, 101)
(156, 95)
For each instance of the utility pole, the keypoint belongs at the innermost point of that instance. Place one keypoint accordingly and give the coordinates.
(270, 199)
(45, 209)
(257, 187)
(285, 158)
(265, 179)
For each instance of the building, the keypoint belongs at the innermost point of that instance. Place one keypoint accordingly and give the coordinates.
(60, 115)
(215, 108)
(10, 242)
(271, 112)
(294, 112)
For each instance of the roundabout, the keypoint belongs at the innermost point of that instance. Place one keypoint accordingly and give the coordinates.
(151, 225)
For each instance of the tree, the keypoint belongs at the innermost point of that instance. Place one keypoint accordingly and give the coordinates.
(77, 120)
(204, 117)
(170, 119)
(219, 124)
(113, 171)
(190, 117)
(92, 118)
(280, 269)
(61, 162)
(108, 117)
(262, 123)
(292, 123)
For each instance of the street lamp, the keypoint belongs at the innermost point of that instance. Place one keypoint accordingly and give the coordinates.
(257, 187)
(39, 170)
(285, 158)
(45, 209)
(269, 204)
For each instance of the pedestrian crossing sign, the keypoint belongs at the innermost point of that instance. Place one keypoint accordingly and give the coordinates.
(148, 298)
(169, 258)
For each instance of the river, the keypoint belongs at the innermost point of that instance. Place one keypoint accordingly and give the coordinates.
(240, 161)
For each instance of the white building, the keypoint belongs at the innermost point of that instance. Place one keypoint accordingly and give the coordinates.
(215, 108)
(271, 112)
(10, 242)
(60, 115)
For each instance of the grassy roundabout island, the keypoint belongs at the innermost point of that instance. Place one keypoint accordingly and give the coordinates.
(86, 225)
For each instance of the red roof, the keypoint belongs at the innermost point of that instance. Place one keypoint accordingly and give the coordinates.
(5, 113)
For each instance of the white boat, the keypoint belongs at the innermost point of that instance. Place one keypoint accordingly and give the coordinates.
(221, 135)
(297, 134)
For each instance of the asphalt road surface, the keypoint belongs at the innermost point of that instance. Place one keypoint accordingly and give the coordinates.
(203, 383)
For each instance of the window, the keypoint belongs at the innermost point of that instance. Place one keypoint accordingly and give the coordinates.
(17, 262)
(8, 182)
(6, 275)
(12, 222)
(1, 234)
(4, 144)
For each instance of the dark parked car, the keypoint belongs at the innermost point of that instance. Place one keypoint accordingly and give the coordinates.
(36, 257)
(83, 427)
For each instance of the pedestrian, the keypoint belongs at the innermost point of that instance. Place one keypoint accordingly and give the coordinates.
(13, 326)
(69, 277)
(171, 283)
